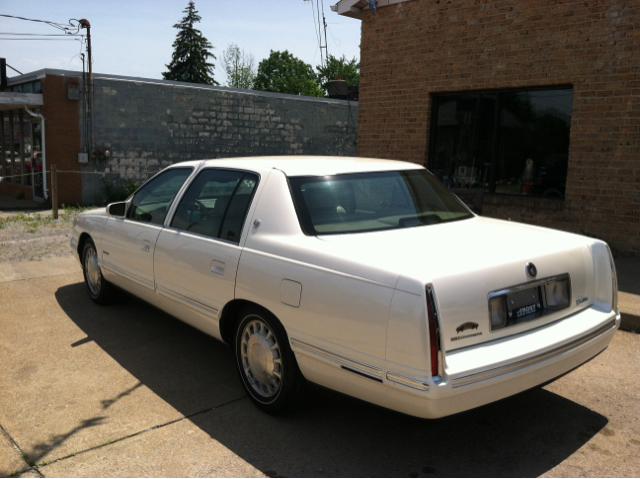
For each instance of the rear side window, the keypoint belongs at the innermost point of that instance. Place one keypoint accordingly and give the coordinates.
(151, 203)
(216, 204)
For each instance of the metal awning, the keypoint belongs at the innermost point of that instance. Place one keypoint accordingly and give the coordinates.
(15, 101)
(354, 8)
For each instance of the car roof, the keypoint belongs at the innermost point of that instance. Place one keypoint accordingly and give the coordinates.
(305, 165)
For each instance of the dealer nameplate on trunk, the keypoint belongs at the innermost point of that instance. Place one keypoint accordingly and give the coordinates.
(524, 304)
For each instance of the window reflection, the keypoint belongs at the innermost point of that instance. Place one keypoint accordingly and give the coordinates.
(510, 142)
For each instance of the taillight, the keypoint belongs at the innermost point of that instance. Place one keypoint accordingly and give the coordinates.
(434, 333)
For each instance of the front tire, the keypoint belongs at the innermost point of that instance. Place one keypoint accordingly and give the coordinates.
(99, 289)
(267, 367)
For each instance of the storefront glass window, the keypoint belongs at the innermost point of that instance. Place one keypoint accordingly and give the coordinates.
(509, 142)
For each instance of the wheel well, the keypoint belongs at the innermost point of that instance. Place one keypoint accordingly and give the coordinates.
(81, 241)
(229, 317)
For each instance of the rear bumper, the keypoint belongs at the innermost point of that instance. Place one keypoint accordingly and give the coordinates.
(490, 372)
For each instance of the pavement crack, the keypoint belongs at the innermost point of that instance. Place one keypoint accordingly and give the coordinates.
(30, 463)
(113, 441)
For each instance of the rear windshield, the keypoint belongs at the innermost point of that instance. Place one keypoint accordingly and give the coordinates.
(373, 201)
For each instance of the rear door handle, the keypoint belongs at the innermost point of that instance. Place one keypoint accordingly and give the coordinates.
(217, 267)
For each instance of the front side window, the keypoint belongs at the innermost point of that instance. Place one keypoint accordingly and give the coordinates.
(151, 203)
(376, 201)
(506, 142)
(216, 204)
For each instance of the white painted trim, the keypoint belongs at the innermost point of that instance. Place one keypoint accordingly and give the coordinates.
(354, 8)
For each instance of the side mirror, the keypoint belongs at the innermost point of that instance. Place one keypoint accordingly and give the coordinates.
(117, 209)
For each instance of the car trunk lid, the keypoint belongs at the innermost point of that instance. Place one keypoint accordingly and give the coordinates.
(466, 260)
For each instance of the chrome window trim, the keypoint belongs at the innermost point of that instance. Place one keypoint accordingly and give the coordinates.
(129, 200)
(510, 368)
(408, 382)
(192, 303)
(528, 285)
(187, 184)
(348, 364)
(180, 194)
(202, 236)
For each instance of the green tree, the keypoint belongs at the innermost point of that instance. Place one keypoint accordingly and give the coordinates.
(284, 73)
(347, 69)
(239, 67)
(190, 52)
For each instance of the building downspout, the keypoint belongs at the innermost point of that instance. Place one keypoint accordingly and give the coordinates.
(44, 153)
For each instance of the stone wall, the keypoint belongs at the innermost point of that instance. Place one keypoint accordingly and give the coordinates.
(144, 126)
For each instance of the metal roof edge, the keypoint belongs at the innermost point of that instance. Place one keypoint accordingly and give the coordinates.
(38, 74)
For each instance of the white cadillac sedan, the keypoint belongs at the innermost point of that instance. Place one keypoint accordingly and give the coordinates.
(365, 276)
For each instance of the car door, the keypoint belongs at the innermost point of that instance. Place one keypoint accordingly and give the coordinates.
(197, 255)
(128, 243)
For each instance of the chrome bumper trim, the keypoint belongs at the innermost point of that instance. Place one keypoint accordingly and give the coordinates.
(409, 382)
(366, 370)
(509, 368)
(186, 301)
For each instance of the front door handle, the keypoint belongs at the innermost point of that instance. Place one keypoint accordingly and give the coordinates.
(146, 244)
(217, 267)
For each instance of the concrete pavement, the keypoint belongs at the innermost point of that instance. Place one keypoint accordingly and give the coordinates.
(126, 390)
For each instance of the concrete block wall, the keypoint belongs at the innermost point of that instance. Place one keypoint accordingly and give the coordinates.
(415, 48)
(147, 125)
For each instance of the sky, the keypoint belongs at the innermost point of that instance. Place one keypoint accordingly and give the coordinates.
(134, 37)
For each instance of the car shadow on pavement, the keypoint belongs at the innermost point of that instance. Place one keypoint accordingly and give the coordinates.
(334, 435)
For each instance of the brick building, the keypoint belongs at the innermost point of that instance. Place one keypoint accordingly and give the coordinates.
(24, 136)
(140, 126)
(536, 103)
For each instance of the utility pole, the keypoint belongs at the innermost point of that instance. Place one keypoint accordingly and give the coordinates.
(326, 43)
(84, 23)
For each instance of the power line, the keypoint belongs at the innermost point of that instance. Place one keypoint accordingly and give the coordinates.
(317, 30)
(337, 42)
(14, 69)
(44, 34)
(59, 26)
(326, 41)
(320, 30)
(41, 39)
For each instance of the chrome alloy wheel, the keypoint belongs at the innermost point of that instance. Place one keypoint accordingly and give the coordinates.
(92, 273)
(261, 358)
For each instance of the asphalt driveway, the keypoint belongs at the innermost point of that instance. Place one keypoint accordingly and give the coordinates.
(127, 390)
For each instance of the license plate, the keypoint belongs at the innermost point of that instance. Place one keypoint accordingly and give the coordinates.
(524, 304)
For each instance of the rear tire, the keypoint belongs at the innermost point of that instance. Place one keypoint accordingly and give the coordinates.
(266, 364)
(99, 289)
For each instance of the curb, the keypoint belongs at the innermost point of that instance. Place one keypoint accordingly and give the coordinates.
(630, 322)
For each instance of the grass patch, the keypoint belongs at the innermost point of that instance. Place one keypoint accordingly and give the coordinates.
(111, 442)
(28, 460)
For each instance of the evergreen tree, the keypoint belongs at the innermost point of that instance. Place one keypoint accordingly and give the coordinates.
(191, 52)
(284, 73)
